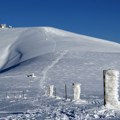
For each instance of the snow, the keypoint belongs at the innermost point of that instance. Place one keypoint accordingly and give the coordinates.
(56, 57)
(21, 44)
(45, 71)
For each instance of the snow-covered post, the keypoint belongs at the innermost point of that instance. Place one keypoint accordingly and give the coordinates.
(77, 91)
(51, 90)
(111, 85)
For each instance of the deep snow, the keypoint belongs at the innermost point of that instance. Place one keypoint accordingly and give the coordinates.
(56, 57)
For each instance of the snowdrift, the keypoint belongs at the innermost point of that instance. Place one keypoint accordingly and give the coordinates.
(21, 44)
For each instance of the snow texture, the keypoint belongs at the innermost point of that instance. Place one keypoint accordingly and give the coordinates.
(111, 89)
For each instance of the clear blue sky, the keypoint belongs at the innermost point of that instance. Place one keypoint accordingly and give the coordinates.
(97, 18)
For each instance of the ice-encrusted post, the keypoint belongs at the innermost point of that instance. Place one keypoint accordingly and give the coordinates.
(51, 91)
(76, 91)
(111, 84)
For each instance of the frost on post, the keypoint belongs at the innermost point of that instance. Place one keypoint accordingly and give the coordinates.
(51, 91)
(77, 91)
(111, 84)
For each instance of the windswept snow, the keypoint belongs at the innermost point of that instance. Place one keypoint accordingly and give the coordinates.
(56, 57)
(21, 44)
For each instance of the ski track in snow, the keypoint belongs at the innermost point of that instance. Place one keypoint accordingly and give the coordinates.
(45, 71)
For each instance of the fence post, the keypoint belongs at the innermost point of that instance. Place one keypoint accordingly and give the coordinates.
(65, 91)
(55, 92)
(104, 86)
(7, 95)
(51, 90)
(14, 95)
(111, 96)
(23, 94)
(76, 91)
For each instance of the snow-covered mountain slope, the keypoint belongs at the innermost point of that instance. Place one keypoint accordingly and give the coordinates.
(56, 57)
(21, 44)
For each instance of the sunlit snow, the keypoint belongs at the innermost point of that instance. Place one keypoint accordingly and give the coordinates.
(55, 57)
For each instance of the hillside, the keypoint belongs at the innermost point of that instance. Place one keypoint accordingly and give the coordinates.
(21, 44)
(56, 57)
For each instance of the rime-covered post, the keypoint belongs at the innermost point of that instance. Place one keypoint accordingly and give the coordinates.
(111, 84)
(51, 90)
(76, 91)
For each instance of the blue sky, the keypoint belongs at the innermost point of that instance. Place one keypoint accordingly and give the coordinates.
(97, 18)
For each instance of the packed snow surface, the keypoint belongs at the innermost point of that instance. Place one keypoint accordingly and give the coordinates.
(54, 57)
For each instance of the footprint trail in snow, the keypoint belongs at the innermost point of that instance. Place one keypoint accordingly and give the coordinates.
(45, 70)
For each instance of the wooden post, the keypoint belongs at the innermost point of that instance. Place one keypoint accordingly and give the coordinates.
(55, 91)
(23, 94)
(104, 86)
(65, 91)
(14, 95)
(6, 94)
